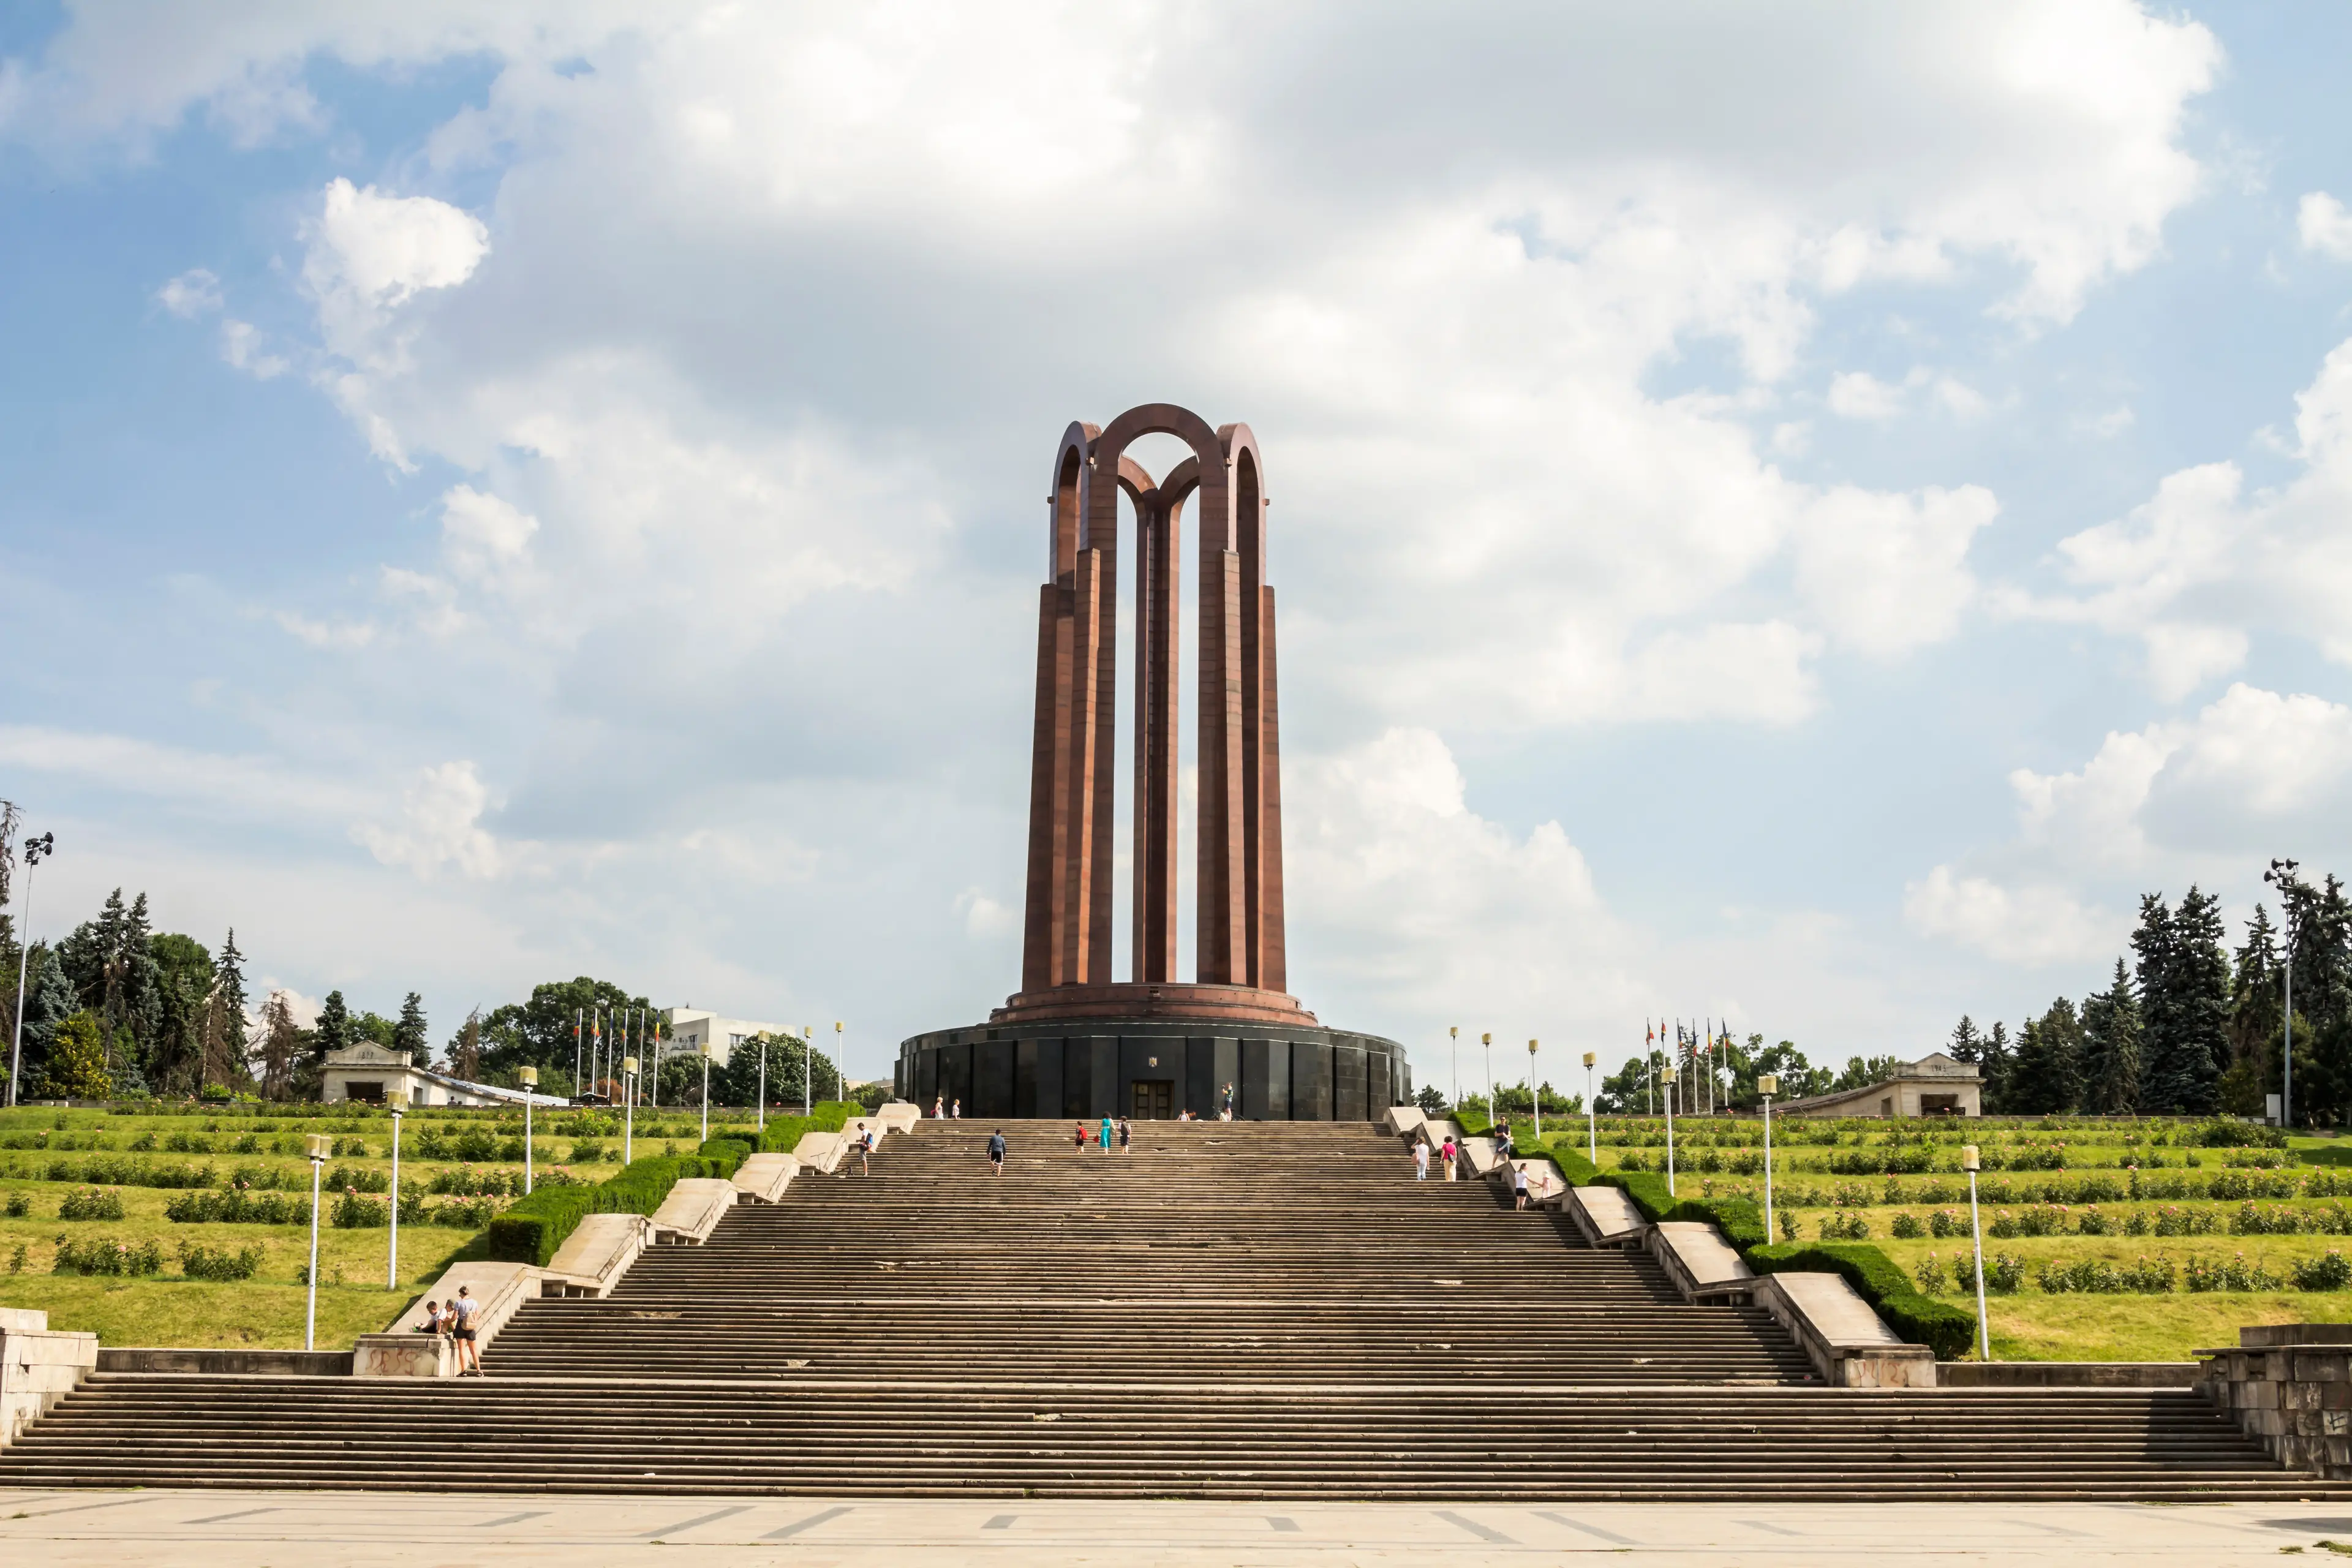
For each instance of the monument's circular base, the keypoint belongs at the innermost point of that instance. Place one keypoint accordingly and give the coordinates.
(1156, 1067)
(1163, 1001)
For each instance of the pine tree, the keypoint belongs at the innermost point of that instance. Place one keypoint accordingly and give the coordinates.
(76, 1065)
(2256, 1003)
(2111, 1048)
(333, 1030)
(409, 1035)
(1993, 1069)
(1967, 1045)
(225, 1021)
(278, 1042)
(466, 1051)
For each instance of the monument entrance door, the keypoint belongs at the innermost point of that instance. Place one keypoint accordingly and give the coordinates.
(1155, 1100)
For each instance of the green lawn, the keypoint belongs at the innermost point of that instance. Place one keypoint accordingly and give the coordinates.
(166, 1309)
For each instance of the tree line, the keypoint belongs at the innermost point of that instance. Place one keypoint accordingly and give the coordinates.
(2189, 1025)
(118, 1010)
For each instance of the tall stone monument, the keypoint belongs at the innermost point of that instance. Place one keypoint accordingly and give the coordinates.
(1074, 1040)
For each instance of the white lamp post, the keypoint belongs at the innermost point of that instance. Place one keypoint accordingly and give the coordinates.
(1768, 1085)
(1670, 1086)
(1591, 1125)
(759, 1123)
(1488, 1042)
(703, 1050)
(1455, 1034)
(840, 1078)
(629, 1113)
(1535, 1096)
(392, 1262)
(318, 1146)
(808, 1069)
(529, 1079)
(1984, 1330)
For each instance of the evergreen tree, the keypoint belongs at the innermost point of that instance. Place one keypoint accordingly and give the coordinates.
(466, 1051)
(223, 1055)
(2045, 1077)
(1967, 1045)
(1993, 1069)
(2184, 986)
(333, 1030)
(2255, 1006)
(76, 1068)
(409, 1034)
(279, 1041)
(52, 1002)
(2111, 1048)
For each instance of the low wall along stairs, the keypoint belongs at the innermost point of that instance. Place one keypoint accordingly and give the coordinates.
(1233, 1310)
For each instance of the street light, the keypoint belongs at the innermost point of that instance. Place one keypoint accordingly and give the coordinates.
(1768, 1085)
(47, 844)
(318, 1146)
(1591, 1125)
(529, 1079)
(1452, 1033)
(761, 1123)
(840, 1078)
(392, 1263)
(703, 1050)
(808, 1069)
(2281, 873)
(1975, 1235)
(1488, 1041)
(1535, 1096)
(629, 1114)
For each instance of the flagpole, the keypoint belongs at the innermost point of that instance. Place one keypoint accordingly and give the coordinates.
(577, 1014)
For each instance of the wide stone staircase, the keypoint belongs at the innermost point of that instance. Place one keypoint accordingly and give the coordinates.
(1230, 1309)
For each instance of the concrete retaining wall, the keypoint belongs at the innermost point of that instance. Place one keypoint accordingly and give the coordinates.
(272, 1363)
(38, 1367)
(2068, 1373)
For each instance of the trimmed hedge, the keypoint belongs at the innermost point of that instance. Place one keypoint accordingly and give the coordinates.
(783, 1132)
(533, 1229)
(1946, 1329)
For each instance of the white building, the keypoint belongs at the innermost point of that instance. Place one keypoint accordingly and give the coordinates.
(690, 1027)
(377, 1074)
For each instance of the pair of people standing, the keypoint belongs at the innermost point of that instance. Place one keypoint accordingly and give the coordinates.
(456, 1321)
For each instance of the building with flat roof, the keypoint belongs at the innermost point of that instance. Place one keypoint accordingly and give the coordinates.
(1933, 1086)
(378, 1075)
(688, 1027)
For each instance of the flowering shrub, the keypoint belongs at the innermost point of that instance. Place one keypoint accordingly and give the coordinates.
(218, 1263)
(90, 1203)
(353, 1212)
(100, 1255)
(1908, 1228)
(2173, 1220)
(1846, 1225)
(1946, 1223)
(2236, 1274)
(2091, 1222)
(2330, 1272)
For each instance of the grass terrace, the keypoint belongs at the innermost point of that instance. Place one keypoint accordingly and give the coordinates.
(2106, 1240)
(190, 1225)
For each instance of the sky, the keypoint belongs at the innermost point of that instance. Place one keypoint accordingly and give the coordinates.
(1797, 516)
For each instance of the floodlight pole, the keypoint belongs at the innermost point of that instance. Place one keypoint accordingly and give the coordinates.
(629, 1112)
(529, 1079)
(1670, 1086)
(759, 1124)
(34, 849)
(1768, 1085)
(706, 1090)
(2281, 873)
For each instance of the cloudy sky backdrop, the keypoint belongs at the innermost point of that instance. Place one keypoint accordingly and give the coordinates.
(1795, 514)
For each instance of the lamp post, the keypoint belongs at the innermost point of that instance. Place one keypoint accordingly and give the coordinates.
(1488, 1041)
(2281, 873)
(529, 1079)
(760, 1122)
(318, 1146)
(703, 1050)
(1768, 1085)
(1535, 1096)
(1591, 1122)
(1975, 1235)
(392, 1262)
(808, 1069)
(840, 1078)
(1670, 1086)
(629, 1113)
(1452, 1033)
(47, 844)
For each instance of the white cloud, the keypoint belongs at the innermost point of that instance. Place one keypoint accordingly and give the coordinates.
(192, 293)
(2324, 226)
(1858, 395)
(240, 347)
(2031, 926)
(385, 249)
(1888, 573)
(985, 919)
(2192, 570)
(440, 825)
(235, 786)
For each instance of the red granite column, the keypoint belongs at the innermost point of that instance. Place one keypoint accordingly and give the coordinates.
(1043, 923)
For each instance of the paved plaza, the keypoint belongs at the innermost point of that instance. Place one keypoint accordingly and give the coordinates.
(310, 1529)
